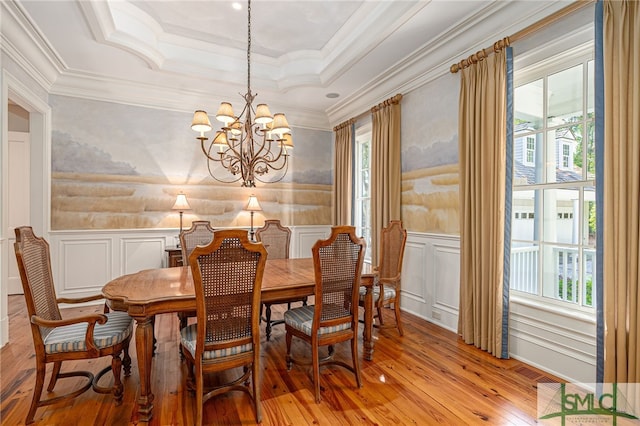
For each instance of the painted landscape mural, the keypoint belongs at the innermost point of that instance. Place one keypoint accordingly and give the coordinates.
(430, 173)
(118, 166)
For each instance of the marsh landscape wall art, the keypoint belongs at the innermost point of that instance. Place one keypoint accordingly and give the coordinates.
(118, 166)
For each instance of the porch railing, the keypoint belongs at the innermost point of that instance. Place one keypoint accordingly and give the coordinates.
(566, 265)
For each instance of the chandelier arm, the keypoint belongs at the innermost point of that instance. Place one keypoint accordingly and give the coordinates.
(270, 164)
(279, 178)
(225, 159)
(218, 179)
(262, 144)
(205, 151)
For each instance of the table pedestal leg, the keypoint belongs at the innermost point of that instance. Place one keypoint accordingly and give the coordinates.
(144, 350)
(367, 338)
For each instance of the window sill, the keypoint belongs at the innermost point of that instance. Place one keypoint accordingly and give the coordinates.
(586, 315)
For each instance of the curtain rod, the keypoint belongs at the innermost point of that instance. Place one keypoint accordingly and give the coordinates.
(505, 42)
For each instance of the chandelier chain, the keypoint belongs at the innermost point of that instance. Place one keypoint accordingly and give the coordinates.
(249, 46)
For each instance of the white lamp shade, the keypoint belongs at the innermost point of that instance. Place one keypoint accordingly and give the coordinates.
(287, 141)
(181, 203)
(236, 126)
(280, 124)
(201, 122)
(225, 113)
(220, 139)
(253, 205)
(263, 115)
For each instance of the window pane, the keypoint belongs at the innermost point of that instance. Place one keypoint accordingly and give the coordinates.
(366, 215)
(561, 154)
(365, 183)
(590, 88)
(524, 267)
(565, 93)
(527, 151)
(589, 221)
(591, 149)
(589, 264)
(528, 106)
(561, 273)
(365, 156)
(524, 228)
(561, 216)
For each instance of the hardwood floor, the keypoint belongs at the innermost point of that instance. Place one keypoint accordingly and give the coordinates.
(426, 377)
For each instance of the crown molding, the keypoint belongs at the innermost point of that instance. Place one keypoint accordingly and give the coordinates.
(24, 44)
(434, 59)
(96, 87)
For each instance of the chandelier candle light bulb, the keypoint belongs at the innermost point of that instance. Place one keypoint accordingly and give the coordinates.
(251, 144)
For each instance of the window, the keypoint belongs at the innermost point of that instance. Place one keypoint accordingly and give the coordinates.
(553, 255)
(531, 149)
(362, 197)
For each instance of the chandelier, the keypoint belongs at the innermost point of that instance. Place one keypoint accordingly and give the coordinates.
(248, 145)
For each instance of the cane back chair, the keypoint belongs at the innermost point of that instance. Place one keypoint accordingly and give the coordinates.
(334, 316)
(386, 292)
(200, 234)
(227, 276)
(276, 239)
(56, 339)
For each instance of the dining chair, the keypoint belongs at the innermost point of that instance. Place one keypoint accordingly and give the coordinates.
(334, 316)
(199, 234)
(227, 277)
(276, 239)
(387, 273)
(57, 339)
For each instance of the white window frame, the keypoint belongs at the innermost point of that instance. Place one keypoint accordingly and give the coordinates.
(362, 195)
(581, 54)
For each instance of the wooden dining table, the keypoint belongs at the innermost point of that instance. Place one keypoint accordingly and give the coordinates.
(151, 292)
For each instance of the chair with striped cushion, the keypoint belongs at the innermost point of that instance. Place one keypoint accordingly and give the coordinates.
(56, 339)
(386, 292)
(334, 317)
(227, 278)
(276, 239)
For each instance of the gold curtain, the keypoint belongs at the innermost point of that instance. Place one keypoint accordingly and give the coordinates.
(386, 172)
(621, 245)
(342, 186)
(482, 149)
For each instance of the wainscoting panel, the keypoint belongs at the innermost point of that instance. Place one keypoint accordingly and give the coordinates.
(84, 265)
(431, 278)
(304, 237)
(553, 339)
(447, 284)
(141, 253)
(84, 261)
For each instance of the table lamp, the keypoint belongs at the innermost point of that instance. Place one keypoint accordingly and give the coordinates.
(252, 206)
(181, 205)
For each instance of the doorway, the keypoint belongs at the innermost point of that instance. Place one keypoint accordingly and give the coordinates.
(32, 178)
(18, 195)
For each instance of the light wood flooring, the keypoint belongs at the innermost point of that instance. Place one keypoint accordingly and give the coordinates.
(426, 377)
